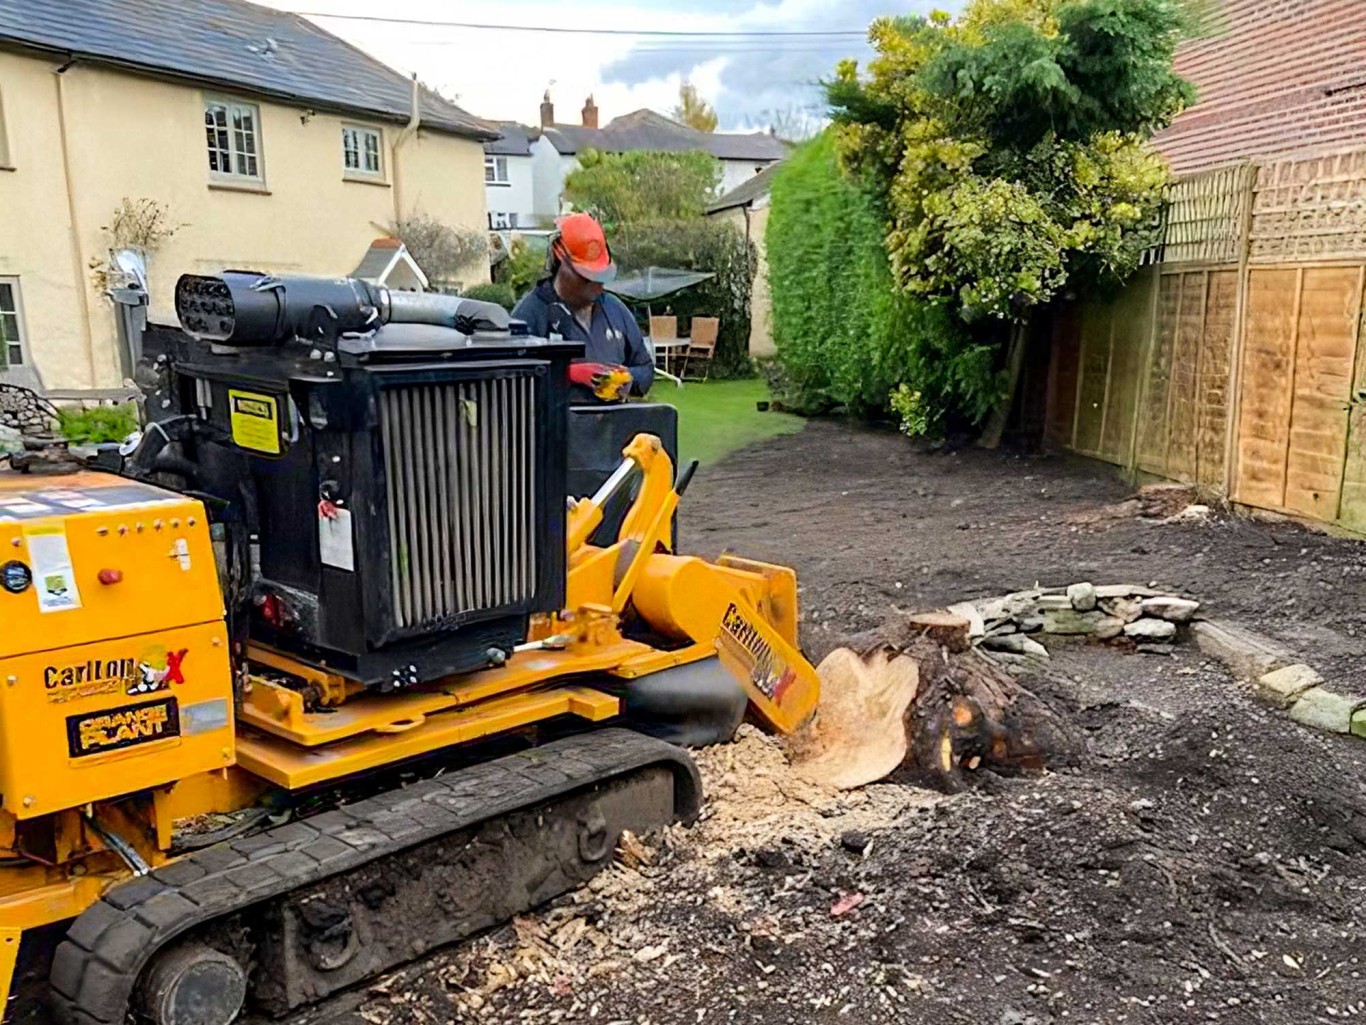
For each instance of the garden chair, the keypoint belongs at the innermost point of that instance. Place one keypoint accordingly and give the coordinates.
(35, 420)
(701, 347)
(664, 341)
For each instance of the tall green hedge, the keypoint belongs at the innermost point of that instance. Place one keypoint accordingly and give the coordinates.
(701, 244)
(846, 337)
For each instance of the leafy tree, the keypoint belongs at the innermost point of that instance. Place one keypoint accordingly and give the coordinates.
(622, 188)
(692, 110)
(1008, 151)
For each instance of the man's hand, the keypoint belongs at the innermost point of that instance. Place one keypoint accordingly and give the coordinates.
(608, 382)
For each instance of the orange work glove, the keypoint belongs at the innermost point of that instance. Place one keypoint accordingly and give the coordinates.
(607, 381)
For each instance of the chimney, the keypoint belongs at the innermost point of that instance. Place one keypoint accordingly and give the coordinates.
(547, 111)
(590, 113)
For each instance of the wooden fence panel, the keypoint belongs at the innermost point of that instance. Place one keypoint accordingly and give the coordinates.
(1183, 388)
(1216, 351)
(1325, 350)
(1352, 502)
(1063, 374)
(1131, 314)
(1268, 361)
(1096, 339)
(1153, 422)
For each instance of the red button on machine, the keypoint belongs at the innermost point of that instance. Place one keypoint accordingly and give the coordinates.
(110, 576)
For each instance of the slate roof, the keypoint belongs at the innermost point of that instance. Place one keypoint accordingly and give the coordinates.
(646, 130)
(231, 44)
(515, 141)
(746, 192)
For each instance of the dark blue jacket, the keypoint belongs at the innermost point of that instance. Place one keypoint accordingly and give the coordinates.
(614, 338)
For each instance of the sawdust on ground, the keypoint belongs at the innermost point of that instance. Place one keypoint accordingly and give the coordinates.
(758, 805)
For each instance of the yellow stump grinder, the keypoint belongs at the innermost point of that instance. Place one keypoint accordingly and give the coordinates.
(325, 674)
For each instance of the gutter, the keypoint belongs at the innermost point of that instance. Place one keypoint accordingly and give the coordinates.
(409, 131)
(77, 262)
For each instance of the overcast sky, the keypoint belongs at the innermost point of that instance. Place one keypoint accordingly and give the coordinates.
(501, 74)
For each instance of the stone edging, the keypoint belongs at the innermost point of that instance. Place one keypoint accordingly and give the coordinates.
(1280, 679)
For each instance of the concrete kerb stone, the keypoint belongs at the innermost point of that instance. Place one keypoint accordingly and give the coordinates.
(1324, 710)
(1280, 679)
(1283, 687)
(1249, 654)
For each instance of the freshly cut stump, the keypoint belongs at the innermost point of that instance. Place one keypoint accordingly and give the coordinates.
(915, 701)
(858, 735)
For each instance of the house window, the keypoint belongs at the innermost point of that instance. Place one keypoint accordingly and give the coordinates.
(495, 170)
(361, 151)
(233, 131)
(502, 221)
(11, 324)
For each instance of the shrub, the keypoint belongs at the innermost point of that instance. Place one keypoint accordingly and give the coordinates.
(499, 292)
(622, 188)
(524, 267)
(442, 251)
(703, 245)
(846, 337)
(98, 424)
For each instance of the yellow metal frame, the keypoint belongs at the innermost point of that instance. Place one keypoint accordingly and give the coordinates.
(327, 727)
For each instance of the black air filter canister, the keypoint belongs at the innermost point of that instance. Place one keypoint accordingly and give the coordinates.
(240, 308)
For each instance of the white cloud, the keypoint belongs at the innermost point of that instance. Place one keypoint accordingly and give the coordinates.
(502, 74)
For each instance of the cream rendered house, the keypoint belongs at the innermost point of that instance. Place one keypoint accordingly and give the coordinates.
(271, 144)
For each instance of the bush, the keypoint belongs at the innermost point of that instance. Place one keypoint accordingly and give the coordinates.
(846, 337)
(523, 267)
(701, 245)
(628, 188)
(98, 424)
(499, 292)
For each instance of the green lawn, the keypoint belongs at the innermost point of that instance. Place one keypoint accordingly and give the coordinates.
(720, 416)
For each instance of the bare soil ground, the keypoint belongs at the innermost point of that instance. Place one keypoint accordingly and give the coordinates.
(1205, 861)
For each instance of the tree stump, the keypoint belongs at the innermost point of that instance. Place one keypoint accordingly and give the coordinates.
(915, 702)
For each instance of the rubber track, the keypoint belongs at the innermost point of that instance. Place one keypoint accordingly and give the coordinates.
(96, 967)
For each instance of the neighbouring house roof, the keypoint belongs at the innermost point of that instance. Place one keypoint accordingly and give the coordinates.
(515, 140)
(233, 45)
(388, 261)
(647, 130)
(1272, 80)
(747, 192)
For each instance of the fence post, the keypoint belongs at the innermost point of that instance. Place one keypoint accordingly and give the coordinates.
(1235, 356)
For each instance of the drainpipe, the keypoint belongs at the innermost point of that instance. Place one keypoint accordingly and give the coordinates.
(409, 130)
(77, 264)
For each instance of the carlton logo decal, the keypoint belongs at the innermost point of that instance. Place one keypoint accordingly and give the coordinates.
(156, 668)
(766, 668)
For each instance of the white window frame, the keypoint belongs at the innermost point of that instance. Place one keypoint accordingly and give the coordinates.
(492, 162)
(502, 221)
(237, 157)
(21, 344)
(362, 133)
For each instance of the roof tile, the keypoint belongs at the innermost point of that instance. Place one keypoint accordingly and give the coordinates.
(232, 44)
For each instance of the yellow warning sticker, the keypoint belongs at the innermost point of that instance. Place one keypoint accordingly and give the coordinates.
(255, 421)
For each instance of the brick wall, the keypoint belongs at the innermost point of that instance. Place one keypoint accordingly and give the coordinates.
(1276, 77)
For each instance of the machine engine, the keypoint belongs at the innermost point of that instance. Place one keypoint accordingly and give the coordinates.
(398, 459)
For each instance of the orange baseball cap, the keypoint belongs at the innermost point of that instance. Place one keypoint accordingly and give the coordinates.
(585, 246)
